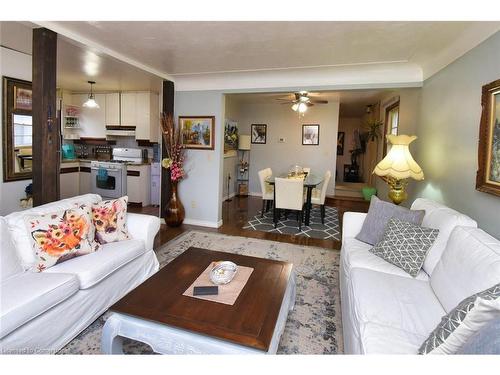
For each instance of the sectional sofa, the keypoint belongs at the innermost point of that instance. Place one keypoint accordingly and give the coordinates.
(385, 310)
(41, 312)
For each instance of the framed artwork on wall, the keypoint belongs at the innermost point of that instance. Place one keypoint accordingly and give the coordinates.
(259, 134)
(230, 137)
(310, 134)
(340, 143)
(198, 132)
(488, 173)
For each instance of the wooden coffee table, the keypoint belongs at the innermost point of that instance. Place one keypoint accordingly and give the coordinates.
(158, 314)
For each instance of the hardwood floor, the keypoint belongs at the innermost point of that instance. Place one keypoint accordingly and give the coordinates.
(235, 214)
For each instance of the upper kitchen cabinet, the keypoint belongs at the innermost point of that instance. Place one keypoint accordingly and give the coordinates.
(128, 109)
(91, 120)
(113, 109)
(147, 116)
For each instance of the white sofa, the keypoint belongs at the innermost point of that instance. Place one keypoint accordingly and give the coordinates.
(385, 310)
(41, 312)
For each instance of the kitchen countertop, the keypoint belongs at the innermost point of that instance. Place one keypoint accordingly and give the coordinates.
(90, 160)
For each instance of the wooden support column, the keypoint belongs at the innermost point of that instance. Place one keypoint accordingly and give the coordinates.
(167, 108)
(46, 131)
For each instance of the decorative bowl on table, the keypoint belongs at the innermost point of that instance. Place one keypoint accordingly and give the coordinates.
(223, 272)
(296, 171)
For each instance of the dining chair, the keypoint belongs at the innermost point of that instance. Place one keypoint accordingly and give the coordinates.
(319, 195)
(306, 170)
(289, 195)
(266, 189)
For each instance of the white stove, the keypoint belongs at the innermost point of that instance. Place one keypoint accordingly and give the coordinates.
(108, 179)
(127, 155)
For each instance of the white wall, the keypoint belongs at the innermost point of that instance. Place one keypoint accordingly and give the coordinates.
(15, 65)
(448, 133)
(283, 122)
(201, 192)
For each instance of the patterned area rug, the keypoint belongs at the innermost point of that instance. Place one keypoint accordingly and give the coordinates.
(313, 327)
(329, 231)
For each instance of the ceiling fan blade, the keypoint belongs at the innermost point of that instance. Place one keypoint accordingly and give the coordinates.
(309, 104)
(287, 99)
(319, 101)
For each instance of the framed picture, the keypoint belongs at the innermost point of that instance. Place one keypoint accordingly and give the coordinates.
(23, 99)
(488, 173)
(340, 143)
(198, 132)
(230, 136)
(310, 134)
(259, 134)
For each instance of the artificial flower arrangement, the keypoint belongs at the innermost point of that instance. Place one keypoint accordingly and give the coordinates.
(174, 147)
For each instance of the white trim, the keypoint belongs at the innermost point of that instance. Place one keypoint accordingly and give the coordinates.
(203, 223)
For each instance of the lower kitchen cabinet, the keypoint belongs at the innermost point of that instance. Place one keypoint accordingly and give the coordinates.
(85, 183)
(139, 184)
(69, 180)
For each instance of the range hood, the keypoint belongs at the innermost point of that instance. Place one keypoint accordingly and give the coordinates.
(123, 131)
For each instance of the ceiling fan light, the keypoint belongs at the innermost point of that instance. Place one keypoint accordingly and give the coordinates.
(302, 107)
(295, 107)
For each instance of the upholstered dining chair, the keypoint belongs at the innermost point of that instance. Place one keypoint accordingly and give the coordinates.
(289, 195)
(318, 195)
(266, 189)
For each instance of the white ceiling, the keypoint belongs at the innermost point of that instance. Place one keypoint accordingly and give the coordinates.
(77, 63)
(177, 48)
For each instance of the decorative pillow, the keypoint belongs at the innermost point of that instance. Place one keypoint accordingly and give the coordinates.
(59, 236)
(405, 245)
(463, 322)
(110, 220)
(378, 216)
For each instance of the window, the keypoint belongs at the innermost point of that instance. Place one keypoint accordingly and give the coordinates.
(23, 130)
(391, 122)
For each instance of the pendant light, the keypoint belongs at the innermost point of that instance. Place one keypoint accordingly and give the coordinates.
(91, 103)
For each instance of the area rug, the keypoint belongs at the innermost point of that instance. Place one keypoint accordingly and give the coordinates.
(313, 327)
(328, 231)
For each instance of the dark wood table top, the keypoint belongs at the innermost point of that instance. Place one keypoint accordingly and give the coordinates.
(250, 321)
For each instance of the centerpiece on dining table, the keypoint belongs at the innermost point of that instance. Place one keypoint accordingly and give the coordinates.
(296, 171)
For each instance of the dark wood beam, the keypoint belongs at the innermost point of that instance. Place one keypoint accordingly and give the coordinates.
(46, 130)
(167, 108)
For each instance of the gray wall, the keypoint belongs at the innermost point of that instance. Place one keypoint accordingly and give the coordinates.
(201, 191)
(283, 122)
(15, 65)
(448, 133)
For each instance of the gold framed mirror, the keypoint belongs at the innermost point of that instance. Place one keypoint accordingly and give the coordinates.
(17, 126)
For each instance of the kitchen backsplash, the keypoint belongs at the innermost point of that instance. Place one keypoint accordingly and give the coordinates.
(91, 150)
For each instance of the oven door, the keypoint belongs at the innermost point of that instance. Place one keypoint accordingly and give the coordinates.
(111, 186)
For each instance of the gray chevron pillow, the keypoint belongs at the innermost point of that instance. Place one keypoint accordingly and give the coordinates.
(463, 322)
(405, 245)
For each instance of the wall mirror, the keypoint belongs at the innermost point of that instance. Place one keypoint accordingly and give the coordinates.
(17, 133)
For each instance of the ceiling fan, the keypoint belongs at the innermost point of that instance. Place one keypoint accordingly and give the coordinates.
(301, 101)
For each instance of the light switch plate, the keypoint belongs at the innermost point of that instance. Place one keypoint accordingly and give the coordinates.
(281, 140)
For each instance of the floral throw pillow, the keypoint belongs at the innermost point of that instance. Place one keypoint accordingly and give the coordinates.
(62, 235)
(110, 220)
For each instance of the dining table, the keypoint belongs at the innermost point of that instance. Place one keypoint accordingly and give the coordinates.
(311, 181)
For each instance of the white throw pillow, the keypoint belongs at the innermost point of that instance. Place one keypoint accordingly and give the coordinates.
(465, 320)
(20, 235)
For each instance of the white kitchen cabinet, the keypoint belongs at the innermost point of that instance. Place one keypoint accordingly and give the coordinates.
(147, 116)
(69, 180)
(112, 109)
(128, 108)
(91, 119)
(85, 179)
(139, 184)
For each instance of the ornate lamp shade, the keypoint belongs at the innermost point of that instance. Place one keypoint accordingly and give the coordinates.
(398, 163)
(244, 142)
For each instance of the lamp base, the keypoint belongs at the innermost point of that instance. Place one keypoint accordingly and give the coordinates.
(397, 192)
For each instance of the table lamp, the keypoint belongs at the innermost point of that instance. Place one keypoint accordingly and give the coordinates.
(398, 166)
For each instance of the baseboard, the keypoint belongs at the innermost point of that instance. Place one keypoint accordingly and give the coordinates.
(203, 223)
